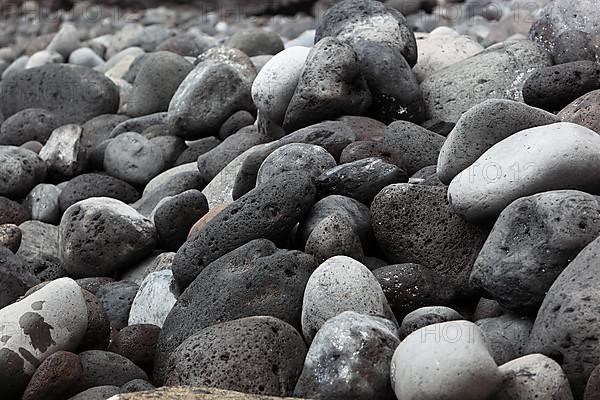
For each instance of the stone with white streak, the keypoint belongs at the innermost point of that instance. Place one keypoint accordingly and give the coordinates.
(63, 153)
(155, 298)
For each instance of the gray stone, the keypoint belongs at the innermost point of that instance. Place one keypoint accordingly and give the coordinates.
(561, 15)
(334, 236)
(583, 111)
(39, 249)
(357, 213)
(481, 127)
(86, 57)
(349, 358)
(159, 76)
(169, 183)
(174, 216)
(20, 171)
(497, 72)
(360, 179)
(10, 237)
(216, 88)
(415, 224)
(100, 235)
(213, 161)
(137, 343)
(221, 188)
(412, 146)
(282, 202)
(441, 48)
(309, 158)
(170, 146)
(408, 287)
(234, 286)
(116, 299)
(333, 136)
(44, 57)
(96, 185)
(533, 240)
(73, 93)
(260, 355)
(574, 45)
(12, 212)
(568, 322)
(42, 203)
(506, 336)
(137, 385)
(196, 148)
(139, 124)
(330, 85)
(393, 99)
(255, 41)
(15, 278)
(533, 376)
(65, 41)
(107, 368)
(234, 123)
(133, 158)
(554, 87)
(30, 124)
(357, 20)
(337, 285)
(425, 316)
(98, 393)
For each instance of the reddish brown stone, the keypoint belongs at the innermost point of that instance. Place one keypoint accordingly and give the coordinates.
(97, 334)
(137, 343)
(54, 378)
(592, 390)
(584, 110)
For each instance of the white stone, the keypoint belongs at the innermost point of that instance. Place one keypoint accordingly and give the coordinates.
(155, 299)
(447, 361)
(341, 284)
(86, 57)
(306, 38)
(276, 82)
(167, 175)
(51, 319)
(42, 58)
(65, 41)
(550, 157)
(16, 66)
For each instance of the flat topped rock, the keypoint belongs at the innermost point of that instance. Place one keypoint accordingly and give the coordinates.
(498, 72)
(193, 393)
